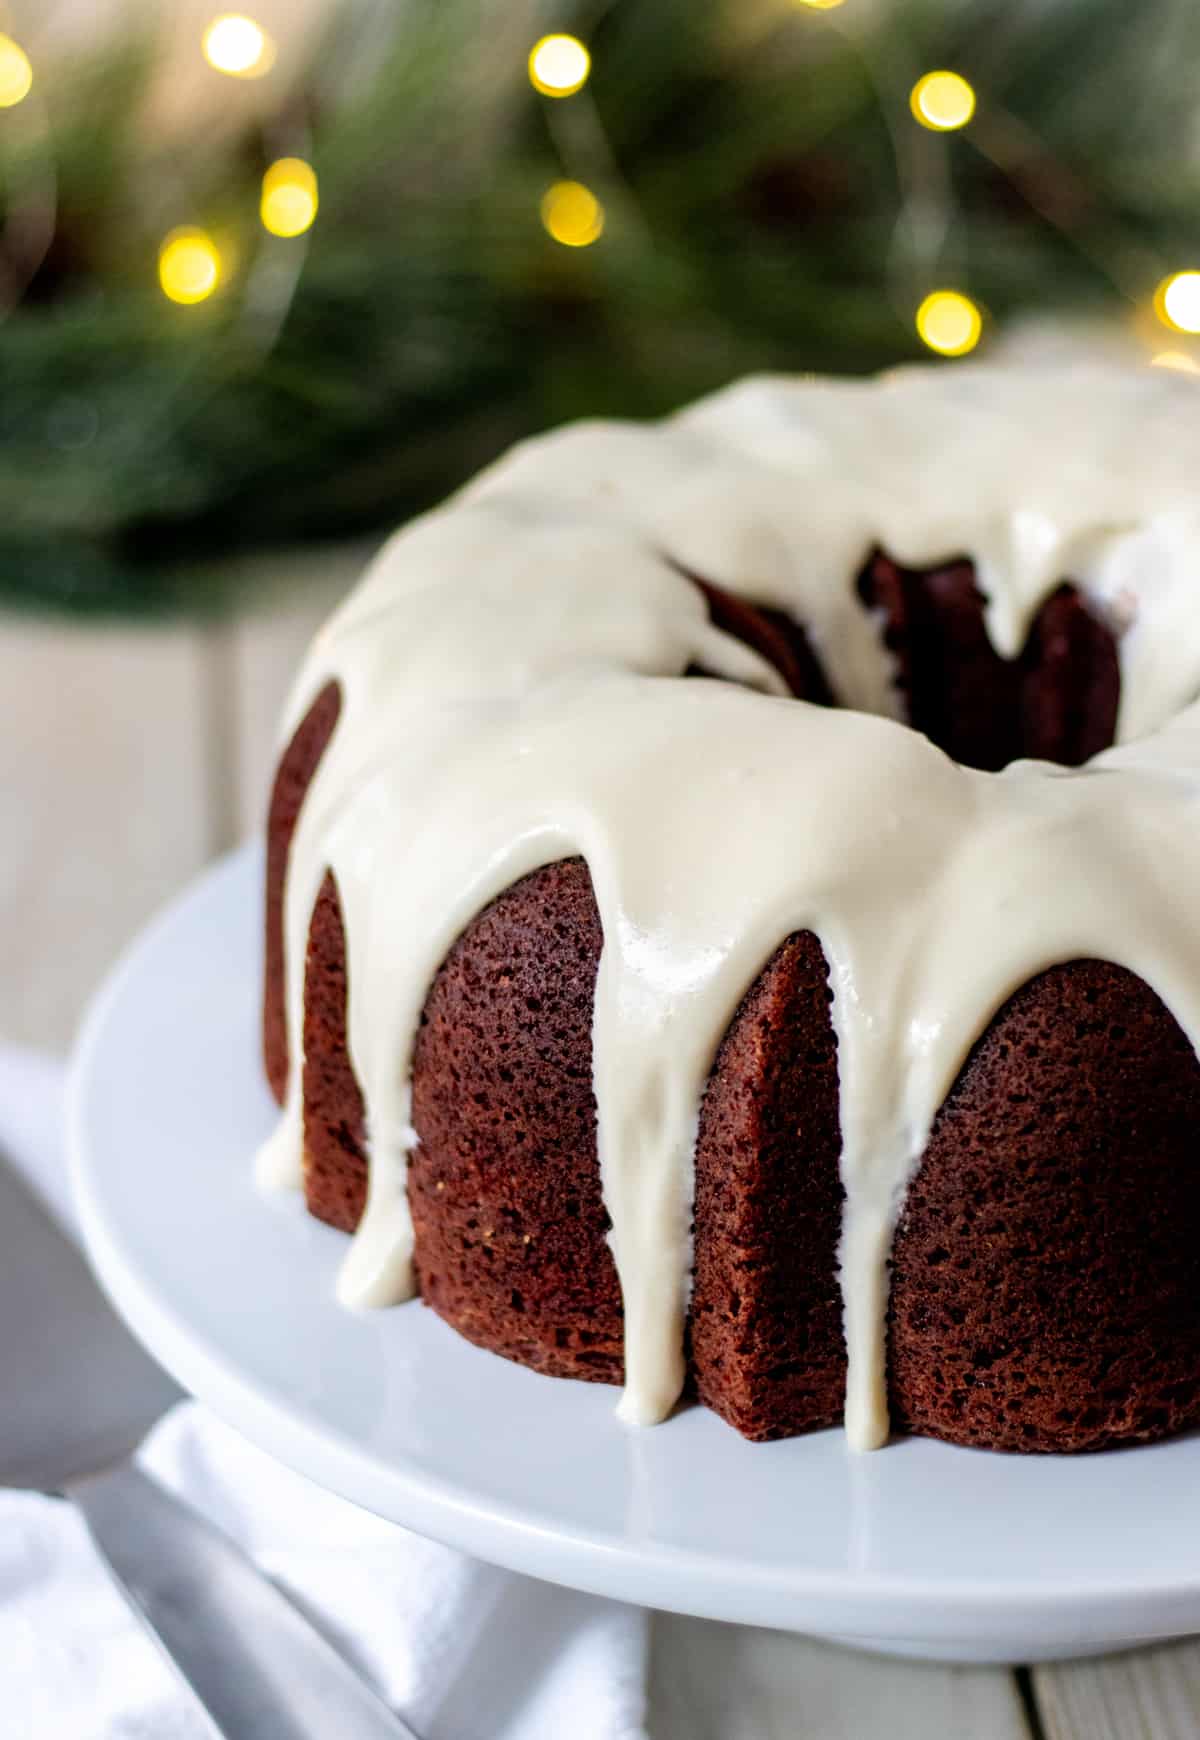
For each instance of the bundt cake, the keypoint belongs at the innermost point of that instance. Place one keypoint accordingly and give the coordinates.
(733, 909)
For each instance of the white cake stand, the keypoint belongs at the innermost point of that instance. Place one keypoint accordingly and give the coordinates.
(919, 1549)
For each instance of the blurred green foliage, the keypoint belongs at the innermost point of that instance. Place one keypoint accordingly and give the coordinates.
(770, 204)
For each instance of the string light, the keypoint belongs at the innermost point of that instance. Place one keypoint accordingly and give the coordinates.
(1177, 301)
(239, 46)
(572, 214)
(817, 5)
(289, 197)
(1178, 360)
(559, 66)
(189, 266)
(16, 74)
(942, 101)
(949, 323)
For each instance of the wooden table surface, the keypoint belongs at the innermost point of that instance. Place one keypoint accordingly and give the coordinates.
(131, 756)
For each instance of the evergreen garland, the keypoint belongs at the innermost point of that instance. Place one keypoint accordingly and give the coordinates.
(769, 203)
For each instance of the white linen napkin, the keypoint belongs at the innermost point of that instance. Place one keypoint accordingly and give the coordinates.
(463, 1650)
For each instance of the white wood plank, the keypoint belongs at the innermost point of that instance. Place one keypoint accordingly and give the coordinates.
(724, 1682)
(286, 598)
(107, 796)
(1153, 1694)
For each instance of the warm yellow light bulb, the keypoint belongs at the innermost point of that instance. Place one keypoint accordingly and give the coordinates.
(572, 214)
(1178, 360)
(189, 266)
(942, 101)
(16, 74)
(1177, 301)
(818, 5)
(289, 197)
(559, 65)
(949, 323)
(239, 46)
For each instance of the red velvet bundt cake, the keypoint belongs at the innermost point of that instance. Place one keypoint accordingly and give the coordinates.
(731, 909)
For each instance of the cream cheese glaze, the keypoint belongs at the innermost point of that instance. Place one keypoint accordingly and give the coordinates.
(509, 674)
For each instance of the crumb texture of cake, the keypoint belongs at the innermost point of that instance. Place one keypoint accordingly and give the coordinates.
(730, 916)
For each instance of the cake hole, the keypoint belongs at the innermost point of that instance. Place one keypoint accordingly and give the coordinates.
(1055, 701)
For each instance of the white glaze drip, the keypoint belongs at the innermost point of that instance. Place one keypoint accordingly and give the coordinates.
(508, 671)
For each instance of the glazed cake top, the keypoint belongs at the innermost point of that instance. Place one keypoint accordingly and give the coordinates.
(509, 674)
